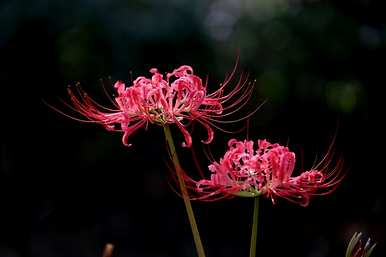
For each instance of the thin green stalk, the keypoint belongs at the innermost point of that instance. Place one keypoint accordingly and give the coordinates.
(252, 251)
(185, 196)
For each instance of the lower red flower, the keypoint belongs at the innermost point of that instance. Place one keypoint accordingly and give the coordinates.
(266, 171)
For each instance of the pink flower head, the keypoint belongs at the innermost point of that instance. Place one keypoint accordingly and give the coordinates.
(267, 171)
(356, 248)
(178, 99)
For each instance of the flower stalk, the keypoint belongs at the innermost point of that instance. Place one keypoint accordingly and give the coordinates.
(184, 191)
(252, 249)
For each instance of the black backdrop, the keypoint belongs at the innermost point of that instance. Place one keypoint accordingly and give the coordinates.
(66, 189)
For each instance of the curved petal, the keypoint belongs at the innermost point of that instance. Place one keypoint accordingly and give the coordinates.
(120, 87)
(130, 130)
(209, 131)
(188, 138)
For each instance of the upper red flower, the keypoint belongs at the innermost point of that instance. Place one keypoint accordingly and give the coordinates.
(266, 171)
(177, 99)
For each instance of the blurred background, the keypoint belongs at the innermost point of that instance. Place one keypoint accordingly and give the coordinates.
(67, 189)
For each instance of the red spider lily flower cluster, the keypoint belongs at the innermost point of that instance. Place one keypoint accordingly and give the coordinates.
(267, 171)
(178, 99)
(356, 249)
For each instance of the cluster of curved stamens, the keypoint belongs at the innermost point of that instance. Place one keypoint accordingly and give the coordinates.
(178, 99)
(267, 171)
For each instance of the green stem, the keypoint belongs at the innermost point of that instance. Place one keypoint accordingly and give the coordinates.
(185, 196)
(252, 251)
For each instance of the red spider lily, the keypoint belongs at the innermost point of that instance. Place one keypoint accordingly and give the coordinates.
(356, 249)
(266, 171)
(179, 99)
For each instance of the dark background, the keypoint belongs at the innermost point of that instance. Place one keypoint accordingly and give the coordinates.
(66, 189)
